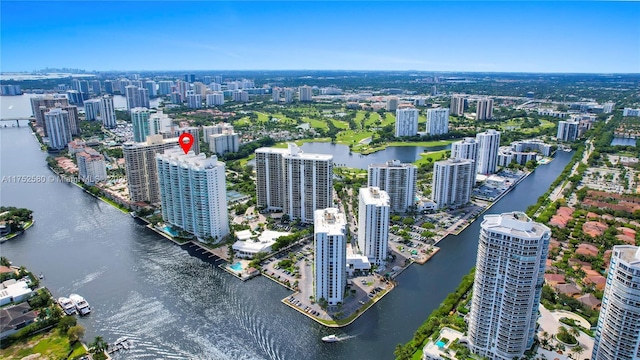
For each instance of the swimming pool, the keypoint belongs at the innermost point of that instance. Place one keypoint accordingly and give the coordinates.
(236, 267)
(169, 231)
(440, 344)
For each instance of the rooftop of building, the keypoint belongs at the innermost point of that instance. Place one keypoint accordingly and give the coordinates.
(393, 164)
(515, 223)
(330, 221)
(294, 151)
(373, 195)
(630, 254)
(197, 162)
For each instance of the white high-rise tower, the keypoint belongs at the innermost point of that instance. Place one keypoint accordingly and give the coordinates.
(453, 180)
(107, 112)
(510, 265)
(437, 121)
(330, 256)
(398, 180)
(193, 193)
(488, 146)
(618, 331)
(373, 224)
(406, 122)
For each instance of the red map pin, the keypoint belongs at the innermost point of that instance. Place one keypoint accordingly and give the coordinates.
(186, 142)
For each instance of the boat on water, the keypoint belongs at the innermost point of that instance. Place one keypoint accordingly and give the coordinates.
(81, 304)
(330, 338)
(67, 305)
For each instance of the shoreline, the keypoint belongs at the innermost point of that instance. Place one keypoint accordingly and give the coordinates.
(15, 235)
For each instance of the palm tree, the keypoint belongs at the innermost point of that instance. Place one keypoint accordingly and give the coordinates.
(575, 332)
(98, 345)
(577, 350)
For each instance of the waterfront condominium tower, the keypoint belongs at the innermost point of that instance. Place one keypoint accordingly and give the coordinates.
(107, 112)
(437, 121)
(567, 130)
(466, 148)
(92, 109)
(59, 129)
(488, 145)
(457, 105)
(193, 193)
(484, 109)
(330, 256)
(41, 104)
(406, 122)
(452, 182)
(373, 221)
(140, 165)
(618, 331)
(296, 182)
(398, 180)
(508, 282)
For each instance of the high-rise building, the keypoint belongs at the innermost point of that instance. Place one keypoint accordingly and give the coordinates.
(224, 143)
(248, 84)
(193, 193)
(165, 87)
(240, 96)
(107, 112)
(200, 88)
(330, 255)
(406, 122)
(140, 122)
(295, 182)
(607, 107)
(58, 128)
(75, 97)
(91, 166)
(398, 180)
(275, 95)
(568, 130)
(288, 95)
(176, 98)
(189, 78)
(92, 109)
(194, 101)
(74, 119)
(150, 85)
(136, 97)
(215, 99)
(10, 90)
(466, 148)
(484, 109)
(95, 87)
(108, 87)
(392, 103)
(217, 79)
(140, 166)
(215, 86)
(457, 105)
(510, 265)
(488, 145)
(219, 128)
(437, 121)
(618, 331)
(175, 132)
(373, 224)
(452, 182)
(305, 93)
(41, 104)
(81, 86)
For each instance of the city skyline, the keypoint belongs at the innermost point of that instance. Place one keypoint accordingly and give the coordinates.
(538, 33)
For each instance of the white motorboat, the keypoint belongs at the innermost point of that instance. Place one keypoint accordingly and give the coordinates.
(81, 304)
(67, 305)
(330, 338)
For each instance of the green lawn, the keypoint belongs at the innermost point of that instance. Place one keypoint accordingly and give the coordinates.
(373, 117)
(350, 137)
(340, 124)
(390, 118)
(316, 124)
(51, 345)
(244, 121)
(433, 155)
(262, 117)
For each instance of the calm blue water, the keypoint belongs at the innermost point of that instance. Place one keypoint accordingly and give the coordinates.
(236, 267)
(623, 142)
(342, 156)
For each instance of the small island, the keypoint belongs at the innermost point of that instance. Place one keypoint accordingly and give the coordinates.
(14, 221)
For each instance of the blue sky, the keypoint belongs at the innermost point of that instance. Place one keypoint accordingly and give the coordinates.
(501, 36)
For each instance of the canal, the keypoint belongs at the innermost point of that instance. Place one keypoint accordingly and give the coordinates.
(176, 304)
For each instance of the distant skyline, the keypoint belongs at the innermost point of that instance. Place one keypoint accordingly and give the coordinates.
(575, 37)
